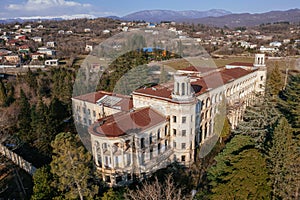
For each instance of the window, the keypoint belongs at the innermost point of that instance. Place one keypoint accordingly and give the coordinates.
(94, 113)
(143, 158)
(166, 144)
(151, 153)
(158, 148)
(174, 119)
(118, 179)
(183, 146)
(174, 144)
(182, 158)
(142, 143)
(191, 118)
(174, 132)
(183, 120)
(183, 88)
(128, 159)
(107, 179)
(83, 110)
(117, 161)
(183, 133)
(158, 134)
(84, 120)
(260, 86)
(150, 138)
(166, 130)
(262, 78)
(90, 122)
(89, 111)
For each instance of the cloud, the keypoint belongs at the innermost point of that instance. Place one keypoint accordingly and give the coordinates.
(38, 5)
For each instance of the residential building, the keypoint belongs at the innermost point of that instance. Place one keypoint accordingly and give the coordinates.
(53, 62)
(133, 136)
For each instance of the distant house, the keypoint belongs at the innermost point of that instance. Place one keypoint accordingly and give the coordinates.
(286, 41)
(51, 44)
(25, 30)
(40, 26)
(151, 25)
(53, 62)
(24, 48)
(36, 56)
(11, 43)
(4, 37)
(88, 47)
(69, 32)
(106, 31)
(46, 51)
(275, 44)
(4, 52)
(12, 59)
(37, 39)
(125, 28)
(268, 49)
(61, 32)
(87, 30)
(20, 37)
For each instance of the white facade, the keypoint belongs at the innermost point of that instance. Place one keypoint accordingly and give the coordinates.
(176, 118)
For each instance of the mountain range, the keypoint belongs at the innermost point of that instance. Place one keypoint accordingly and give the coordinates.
(214, 17)
(247, 19)
(170, 15)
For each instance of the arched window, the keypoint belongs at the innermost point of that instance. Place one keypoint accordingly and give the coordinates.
(150, 138)
(142, 143)
(182, 88)
(208, 102)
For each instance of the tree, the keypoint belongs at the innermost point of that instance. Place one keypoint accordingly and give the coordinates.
(3, 95)
(71, 165)
(283, 158)
(221, 122)
(258, 121)
(275, 82)
(240, 172)
(290, 101)
(24, 118)
(112, 195)
(42, 180)
(156, 191)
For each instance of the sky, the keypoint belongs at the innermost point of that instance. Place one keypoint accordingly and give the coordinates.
(98, 8)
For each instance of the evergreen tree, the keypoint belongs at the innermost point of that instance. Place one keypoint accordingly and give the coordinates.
(221, 122)
(71, 165)
(258, 121)
(282, 157)
(42, 180)
(24, 118)
(31, 79)
(3, 95)
(240, 172)
(290, 101)
(275, 82)
(112, 195)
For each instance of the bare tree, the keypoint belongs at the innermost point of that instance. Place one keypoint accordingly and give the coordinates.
(156, 191)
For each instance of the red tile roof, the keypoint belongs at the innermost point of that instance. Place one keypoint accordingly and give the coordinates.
(241, 64)
(200, 85)
(126, 122)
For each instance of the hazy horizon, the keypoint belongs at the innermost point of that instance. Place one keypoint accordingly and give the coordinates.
(30, 8)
